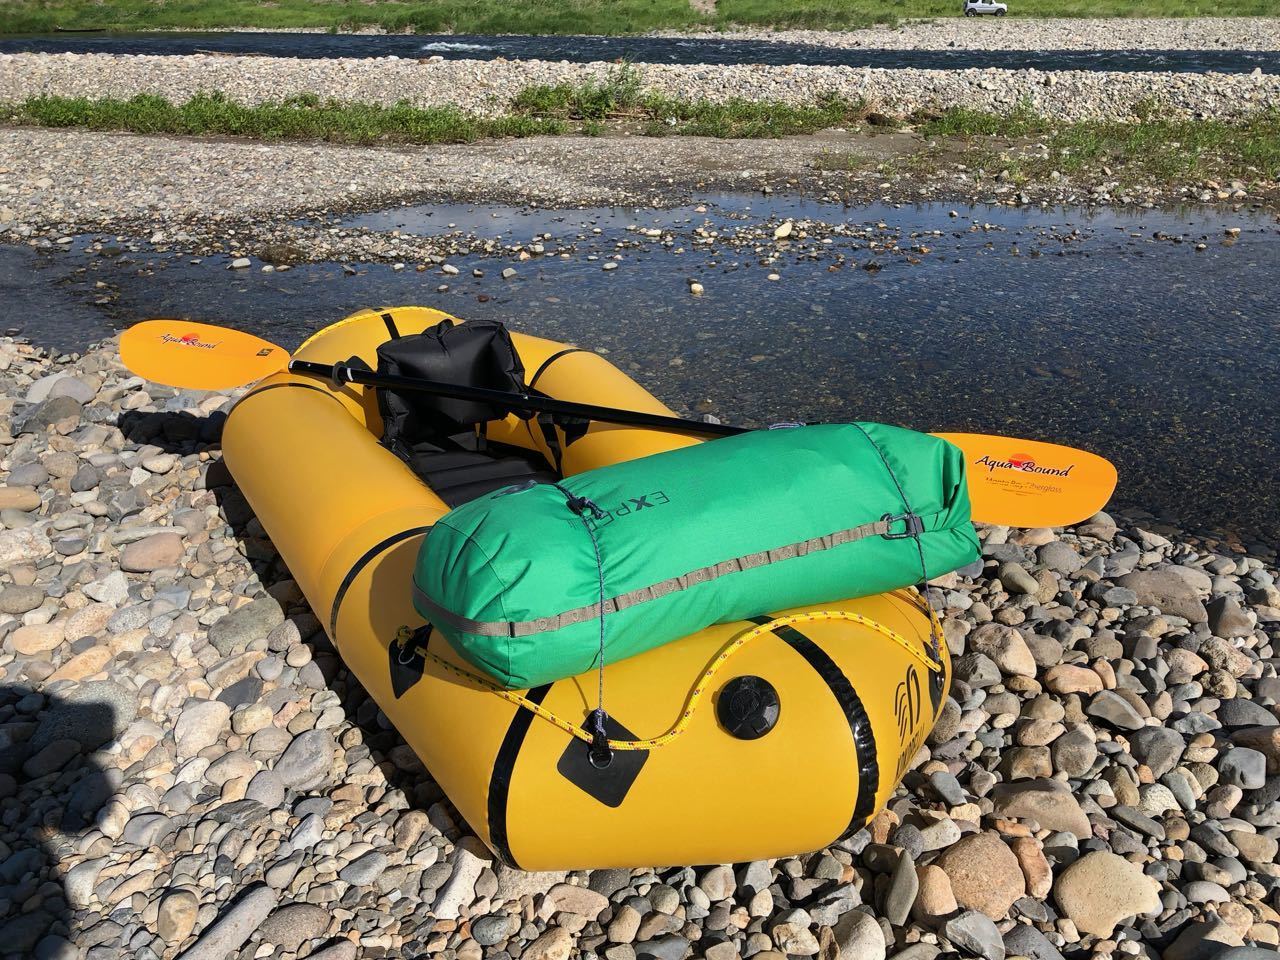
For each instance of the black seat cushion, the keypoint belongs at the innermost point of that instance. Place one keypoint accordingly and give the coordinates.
(460, 475)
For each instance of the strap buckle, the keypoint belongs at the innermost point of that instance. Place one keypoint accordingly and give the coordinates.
(913, 525)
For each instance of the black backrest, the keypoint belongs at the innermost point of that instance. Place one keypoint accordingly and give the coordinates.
(477, 353)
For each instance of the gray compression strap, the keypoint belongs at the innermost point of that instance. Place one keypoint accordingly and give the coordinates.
(934, 641)
(505, 628)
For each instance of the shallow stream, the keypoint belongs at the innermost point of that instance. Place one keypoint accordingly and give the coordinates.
(1110, 331)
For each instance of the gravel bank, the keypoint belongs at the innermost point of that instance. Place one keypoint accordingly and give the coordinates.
(206, 196)
(487, 86)
(1017, 33)
(188, 768)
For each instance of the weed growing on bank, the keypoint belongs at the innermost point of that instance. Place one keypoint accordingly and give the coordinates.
(297, 118)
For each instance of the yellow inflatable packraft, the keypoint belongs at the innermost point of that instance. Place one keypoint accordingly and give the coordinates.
(745, 741)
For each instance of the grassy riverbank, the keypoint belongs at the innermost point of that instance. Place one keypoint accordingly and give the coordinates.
(1020, 146)
(591, 109)
(562, 17)
(1024, 147)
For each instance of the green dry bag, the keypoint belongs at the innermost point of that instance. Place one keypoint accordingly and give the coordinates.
(711, 533)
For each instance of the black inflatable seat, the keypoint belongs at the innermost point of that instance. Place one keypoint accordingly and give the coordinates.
(460, 475)
(437, 436)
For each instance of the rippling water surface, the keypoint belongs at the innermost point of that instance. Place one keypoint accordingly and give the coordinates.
(636, 49)
(1109, 332)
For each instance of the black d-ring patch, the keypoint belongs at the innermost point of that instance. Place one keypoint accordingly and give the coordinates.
(608, 784)
(407, 661)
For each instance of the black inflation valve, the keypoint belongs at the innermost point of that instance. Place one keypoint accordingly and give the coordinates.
(748, 707)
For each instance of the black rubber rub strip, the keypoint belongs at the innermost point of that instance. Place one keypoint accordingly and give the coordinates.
(500, 780)
(864, 738)
(359, 565)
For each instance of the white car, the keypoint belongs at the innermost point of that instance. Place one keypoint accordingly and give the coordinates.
(976, 8)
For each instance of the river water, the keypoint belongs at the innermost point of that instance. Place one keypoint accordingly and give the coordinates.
(586, 49)
(1108, 331)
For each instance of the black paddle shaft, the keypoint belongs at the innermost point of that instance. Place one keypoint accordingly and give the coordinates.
(341, 373)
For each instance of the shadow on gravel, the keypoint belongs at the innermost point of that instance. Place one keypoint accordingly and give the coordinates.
(51, 791)
(184, 433)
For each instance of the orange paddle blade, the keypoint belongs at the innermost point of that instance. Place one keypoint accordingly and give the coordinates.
(198, 356)
(1026, 483)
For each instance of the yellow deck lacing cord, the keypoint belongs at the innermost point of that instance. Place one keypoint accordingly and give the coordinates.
(691, 702)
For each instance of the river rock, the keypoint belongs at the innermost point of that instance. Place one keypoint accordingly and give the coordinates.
(1114, 710)
(112, 589)
(177, 916)
(1174, 589)
(976, 934)
(1266, 740)
(1005, 647)
(1204, 941)
(294, 924)
(364, 870)
(342, 950)
(160, 551)
(556, 943)
(1243, 768)
(1048, 802)
(1101, 889)
(307, 758)
(253, 621)
(1158, 747)
(19, 498)
(23, 545)
(234, 926)
(1068, 678)
(200, 725)
(90, 713)
(1036, 872)
(1026, 941)
(859, 937)
(901, 892)
(38, 638)
(574, 899)
(16, 599)
(46, 413)
(935, 898)
(469, 858)
(1227, 618)
(1075, 751)
(984, 874)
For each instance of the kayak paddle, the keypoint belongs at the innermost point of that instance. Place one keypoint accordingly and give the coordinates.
(1013, 482)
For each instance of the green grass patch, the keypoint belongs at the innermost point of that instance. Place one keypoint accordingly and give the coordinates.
(418, 16)
(963, 122)
(1151, 147)
(553, 16)
(619, 97)
(298, 118)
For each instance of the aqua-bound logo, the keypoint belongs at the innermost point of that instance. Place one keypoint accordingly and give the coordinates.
(1023, 464)
(190, 340)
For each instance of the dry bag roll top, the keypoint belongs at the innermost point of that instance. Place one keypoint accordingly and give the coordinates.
(716, 532)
